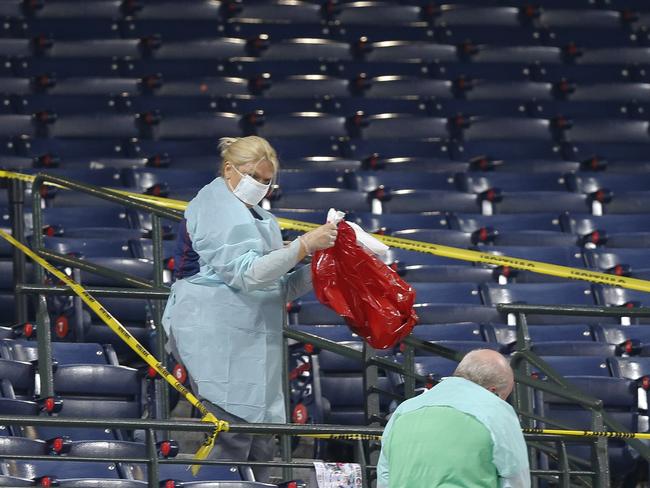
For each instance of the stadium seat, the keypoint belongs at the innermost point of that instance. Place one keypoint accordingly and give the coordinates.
(404, 86)
(583, 182)
(539, 294)
(307, 124)
(495, 149)
(319, 198)
(517, 54)
(602, 131)
(565, 347)
(578, 365)
(499, 90)
(409, 51)
(404, 126)
(403, 201)
(619, 261)
(561, 255)
(372, 180)
(540, 201)
(307, 49)
(541, 333)
(474, 222)
(58, 469)
(487, 128)
(479, 183)
(314, 86)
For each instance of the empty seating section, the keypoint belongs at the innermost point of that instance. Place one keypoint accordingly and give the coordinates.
(509, 128)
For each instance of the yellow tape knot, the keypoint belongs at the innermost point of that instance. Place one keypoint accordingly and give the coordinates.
(208, 444)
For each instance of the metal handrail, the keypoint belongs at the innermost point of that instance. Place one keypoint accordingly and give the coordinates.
(156, 290)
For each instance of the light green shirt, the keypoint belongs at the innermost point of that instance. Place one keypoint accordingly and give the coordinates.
(458, 434)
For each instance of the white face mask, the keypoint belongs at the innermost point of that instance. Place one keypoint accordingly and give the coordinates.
(249, 190)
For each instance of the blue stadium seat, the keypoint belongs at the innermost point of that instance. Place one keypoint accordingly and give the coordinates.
(90, 247)
(334, 333)
(315, 86)
(538, 294)
(579, 365)
(314, 313)
(474, 222)
(405, 126)
(11, 406)
(58, 469)
(495, 149)
(307, 49)
(566, 347)
(630, 368)
(213, 125)
(392, 86)
(618, 261)
(403, 201)
(541, 333)
(620, 131)
(540, 201)
(444, 237)
(447, 293)
(306, 124)
(370, 106)
(462, 331)
(617, 55)
(493, 128)
(561, 255)
(62, 352)
(517, 54)
(386, 148)
(500, 90)
(480, 182)
(320, 198)
(372, 180)
(300, 180)
(620, 297)
(619, 183)
(638, 335)
(379, 14)
(204, 49)
(17, 379)
(447, 273)
(406, 51)
(147, 178)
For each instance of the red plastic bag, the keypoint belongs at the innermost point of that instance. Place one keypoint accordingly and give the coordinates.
(374, 301)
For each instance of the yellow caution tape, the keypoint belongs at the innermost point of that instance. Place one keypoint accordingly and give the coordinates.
(436, 249)
(573, 433)
(589, 433)
(132, 342)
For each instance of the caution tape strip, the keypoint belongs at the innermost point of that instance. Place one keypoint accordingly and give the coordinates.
(566, 272)
(572, 433)
(134, 344)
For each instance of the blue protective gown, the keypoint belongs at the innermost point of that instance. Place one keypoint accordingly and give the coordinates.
(226, 320)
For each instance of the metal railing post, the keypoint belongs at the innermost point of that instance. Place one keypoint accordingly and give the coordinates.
(43, 331)
(599, 451)
(44, 344)
(409, 367)
(285, 440)
(161, 388)
(17, 203)
(152, 464)
(371, 405)
(523, 397)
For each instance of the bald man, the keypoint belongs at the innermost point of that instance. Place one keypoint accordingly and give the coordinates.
(460, 433)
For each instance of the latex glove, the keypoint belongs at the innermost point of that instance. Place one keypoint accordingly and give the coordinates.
(320, 238)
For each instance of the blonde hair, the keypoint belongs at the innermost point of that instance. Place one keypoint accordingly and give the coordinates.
(240, 151)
